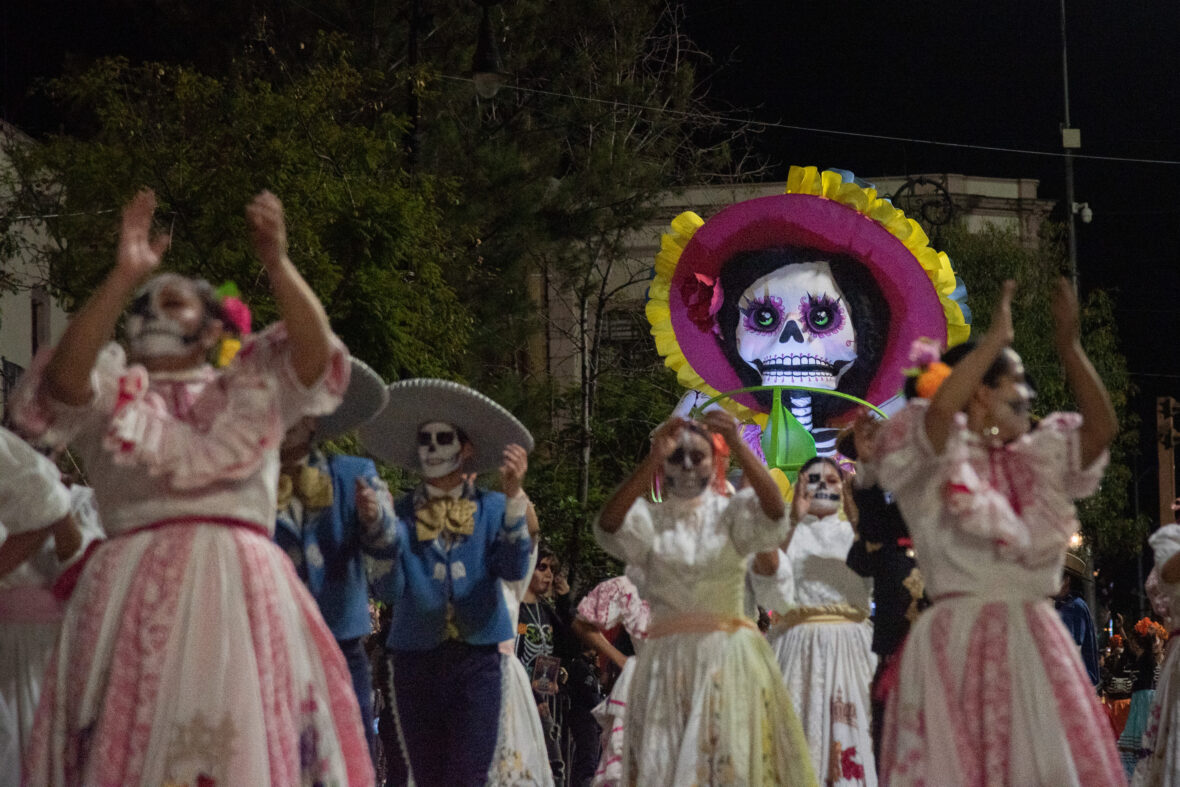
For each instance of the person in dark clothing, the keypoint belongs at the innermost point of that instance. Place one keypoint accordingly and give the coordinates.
(882, 551)
(1076, 615)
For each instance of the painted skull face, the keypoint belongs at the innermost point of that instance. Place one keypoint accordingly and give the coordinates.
(438, 449)
(689, 468)
(795, 327)
(824, 486)
(165, 319)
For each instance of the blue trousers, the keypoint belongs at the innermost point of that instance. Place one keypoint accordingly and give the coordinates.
(448, 704)
(362, 683)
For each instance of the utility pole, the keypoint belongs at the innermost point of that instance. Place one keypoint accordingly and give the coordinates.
(1071, 140)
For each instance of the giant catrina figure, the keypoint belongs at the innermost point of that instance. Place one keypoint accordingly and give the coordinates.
(825, 286)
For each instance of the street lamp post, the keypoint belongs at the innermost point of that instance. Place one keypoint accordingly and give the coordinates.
(1071, 140)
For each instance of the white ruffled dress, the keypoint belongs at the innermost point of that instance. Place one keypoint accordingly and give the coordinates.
(612, 603)
(707, 703)
(824, 649)
(1159, 762)
(991, 687)
(32, 497)
(31, 616)
(521, 759)
(190, 652)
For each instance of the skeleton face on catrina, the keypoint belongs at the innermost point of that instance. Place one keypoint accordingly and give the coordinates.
(796, 327)
(795, 315)
(688, 470)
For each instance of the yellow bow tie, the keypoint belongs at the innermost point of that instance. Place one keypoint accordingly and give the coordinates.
(313, 487)
(443, 513)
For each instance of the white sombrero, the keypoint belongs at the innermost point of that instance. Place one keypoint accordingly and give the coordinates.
(365, 397)
(393, 435)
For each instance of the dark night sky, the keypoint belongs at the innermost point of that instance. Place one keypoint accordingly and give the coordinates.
(984, 73)
(990, 74)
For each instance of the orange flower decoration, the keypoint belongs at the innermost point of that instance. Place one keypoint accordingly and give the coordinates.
(1148, 626)
(931, 378)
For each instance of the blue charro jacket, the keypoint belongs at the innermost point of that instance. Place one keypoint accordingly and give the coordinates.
(421, 578)
(328, 551)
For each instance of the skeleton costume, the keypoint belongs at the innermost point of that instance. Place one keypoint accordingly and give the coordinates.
(190, 651)
(823, 643)
(442, 575)
(706, 703)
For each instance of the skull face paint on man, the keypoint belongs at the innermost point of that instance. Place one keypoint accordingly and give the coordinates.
(796, 328)
(166, 319)
(688, 470)
(439, 449)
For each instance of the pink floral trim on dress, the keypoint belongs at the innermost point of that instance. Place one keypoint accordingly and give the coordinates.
(616, 601)
(987, 693)
(137, 669)
(221, 433)
(1086, 729)
(995, 492)
(343, 715)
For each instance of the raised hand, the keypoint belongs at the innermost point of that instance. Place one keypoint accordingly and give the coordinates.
(268, 229)
(139, 253)
(516, 464)
(802, 500)
(368, 509)
(1001, 326)
(1064, 308)
(664, 438)
(723, 424)
(864, 436)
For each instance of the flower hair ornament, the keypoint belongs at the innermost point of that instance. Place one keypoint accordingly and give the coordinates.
(237, 322)
(928, 372)
(1147, 626)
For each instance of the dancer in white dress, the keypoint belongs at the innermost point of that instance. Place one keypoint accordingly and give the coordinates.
(614, 602)
(521, 759)
(1159, 755)
(33, 505)
(190, 653)
(31, 614)
(991, 688)
(823, 640)
(707, 704)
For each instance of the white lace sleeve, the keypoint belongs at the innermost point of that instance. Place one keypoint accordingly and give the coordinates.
(777, 591)
(750, 529)
(631, 543)
(32, 495)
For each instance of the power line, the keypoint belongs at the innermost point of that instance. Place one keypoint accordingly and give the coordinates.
(829, 131)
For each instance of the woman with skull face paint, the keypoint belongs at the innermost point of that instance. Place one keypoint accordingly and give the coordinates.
(822, 637)
(190, 651)
(991, 687)
(707, 704)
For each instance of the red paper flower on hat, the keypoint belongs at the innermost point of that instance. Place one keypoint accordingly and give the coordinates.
(703, 298)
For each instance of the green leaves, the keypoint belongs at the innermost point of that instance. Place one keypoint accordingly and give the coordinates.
(369, 239)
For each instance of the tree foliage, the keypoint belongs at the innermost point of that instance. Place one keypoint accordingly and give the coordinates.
(369, 239)
(985, 260)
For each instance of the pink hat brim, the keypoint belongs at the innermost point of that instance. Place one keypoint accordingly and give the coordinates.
(819, 223)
